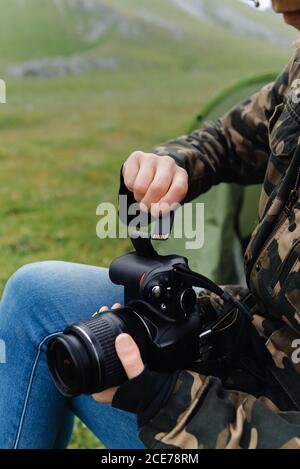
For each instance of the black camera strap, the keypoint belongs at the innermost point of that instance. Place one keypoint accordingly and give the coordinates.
(141, 241)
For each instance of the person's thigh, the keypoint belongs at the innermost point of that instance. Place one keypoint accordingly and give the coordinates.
(41, 300)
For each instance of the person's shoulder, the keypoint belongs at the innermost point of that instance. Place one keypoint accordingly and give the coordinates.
(292, 71)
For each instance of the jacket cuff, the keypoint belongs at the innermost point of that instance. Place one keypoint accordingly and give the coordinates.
(146, 394)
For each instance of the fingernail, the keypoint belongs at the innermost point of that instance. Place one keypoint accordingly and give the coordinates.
(123, 342)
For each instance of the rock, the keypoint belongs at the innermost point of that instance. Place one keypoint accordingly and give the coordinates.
(60, 66)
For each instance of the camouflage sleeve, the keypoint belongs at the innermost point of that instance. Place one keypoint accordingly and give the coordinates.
(202, 414)
(235, 148)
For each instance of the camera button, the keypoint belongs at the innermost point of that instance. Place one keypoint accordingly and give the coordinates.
(156, 291)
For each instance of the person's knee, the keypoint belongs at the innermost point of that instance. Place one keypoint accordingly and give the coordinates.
(29, 281)
(27, 294)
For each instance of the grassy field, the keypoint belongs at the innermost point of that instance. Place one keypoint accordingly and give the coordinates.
(63, 139)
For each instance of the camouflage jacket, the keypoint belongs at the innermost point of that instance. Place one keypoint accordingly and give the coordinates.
(255, 142)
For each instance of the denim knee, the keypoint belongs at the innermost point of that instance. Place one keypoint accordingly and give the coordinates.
(26, 308)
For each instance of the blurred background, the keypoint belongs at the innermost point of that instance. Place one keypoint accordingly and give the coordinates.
(90, 81)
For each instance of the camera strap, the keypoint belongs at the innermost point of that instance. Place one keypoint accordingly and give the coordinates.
(163, 224)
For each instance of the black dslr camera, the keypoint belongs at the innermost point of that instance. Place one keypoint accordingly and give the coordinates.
(161, 314)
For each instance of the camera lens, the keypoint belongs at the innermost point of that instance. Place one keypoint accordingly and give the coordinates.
(65, 365)
(83, 359)
(71, 364)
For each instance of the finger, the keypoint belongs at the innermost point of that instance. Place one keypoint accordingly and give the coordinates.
(105, 308)
(160, 184)
(144, 178)
(178, 188)
(129, 355)
(105, 397)
(131, 168)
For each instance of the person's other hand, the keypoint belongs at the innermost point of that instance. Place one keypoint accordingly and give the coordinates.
(146, 391)
(130, 357)
(157, 182)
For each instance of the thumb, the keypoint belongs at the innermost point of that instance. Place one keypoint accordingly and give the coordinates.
(129, 355)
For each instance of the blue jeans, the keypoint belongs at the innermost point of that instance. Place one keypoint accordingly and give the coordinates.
(40, 300)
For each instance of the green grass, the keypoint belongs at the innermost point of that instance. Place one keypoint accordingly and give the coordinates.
(63, 140)
(83, 438)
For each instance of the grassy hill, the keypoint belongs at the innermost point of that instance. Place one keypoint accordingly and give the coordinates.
(137, 32)
(63, 138)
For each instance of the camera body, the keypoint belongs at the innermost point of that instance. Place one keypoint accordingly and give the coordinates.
(155, 280)
(165, 303)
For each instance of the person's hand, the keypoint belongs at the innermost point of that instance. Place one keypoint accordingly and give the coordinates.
(130, 357)
(157, 182)
(146, 391)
